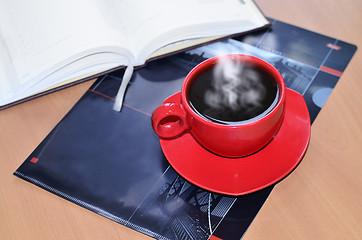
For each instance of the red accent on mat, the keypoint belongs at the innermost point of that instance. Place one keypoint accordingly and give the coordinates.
(331, 71)
(34, 160)
(137, 109)
(104, 95)
(335, 47)
(212, 237)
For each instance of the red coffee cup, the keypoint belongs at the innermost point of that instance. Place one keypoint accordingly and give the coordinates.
(226, 138)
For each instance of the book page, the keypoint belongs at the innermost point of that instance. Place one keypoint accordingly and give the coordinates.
(42, 36)
(153, 24)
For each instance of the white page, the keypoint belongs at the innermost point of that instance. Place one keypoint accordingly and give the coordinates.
(39, 33)
(176, 20)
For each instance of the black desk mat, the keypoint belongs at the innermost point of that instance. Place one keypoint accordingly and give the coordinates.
(111, 163)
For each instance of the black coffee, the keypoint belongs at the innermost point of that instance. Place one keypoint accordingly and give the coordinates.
(233, 93)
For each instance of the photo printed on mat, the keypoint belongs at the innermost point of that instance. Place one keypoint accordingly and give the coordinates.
(111, 163)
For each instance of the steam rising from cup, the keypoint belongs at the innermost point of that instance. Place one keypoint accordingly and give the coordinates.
(235, 87)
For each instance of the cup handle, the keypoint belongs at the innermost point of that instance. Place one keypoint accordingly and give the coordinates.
(169, 120)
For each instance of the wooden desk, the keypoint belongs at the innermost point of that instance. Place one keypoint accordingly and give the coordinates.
(321, 199)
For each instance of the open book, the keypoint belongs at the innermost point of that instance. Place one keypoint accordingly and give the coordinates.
(47, 44)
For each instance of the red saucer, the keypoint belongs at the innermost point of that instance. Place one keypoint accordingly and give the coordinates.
(239, 176)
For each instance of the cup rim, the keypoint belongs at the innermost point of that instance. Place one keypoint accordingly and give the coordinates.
(201, 67)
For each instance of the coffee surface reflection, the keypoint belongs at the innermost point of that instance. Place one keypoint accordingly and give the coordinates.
(232, 93)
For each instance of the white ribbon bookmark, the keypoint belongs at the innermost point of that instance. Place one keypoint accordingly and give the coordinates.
(122, 89)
